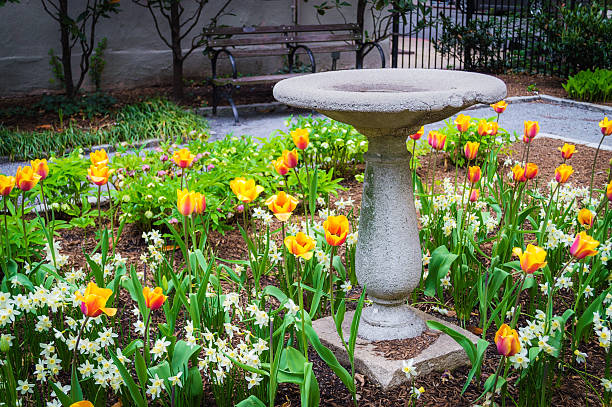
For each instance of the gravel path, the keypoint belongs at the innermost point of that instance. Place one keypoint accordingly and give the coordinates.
(571, 123)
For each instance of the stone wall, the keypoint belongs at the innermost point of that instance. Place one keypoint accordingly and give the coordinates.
(135, 54)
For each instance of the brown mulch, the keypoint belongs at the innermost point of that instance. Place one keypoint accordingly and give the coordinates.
(404, 349)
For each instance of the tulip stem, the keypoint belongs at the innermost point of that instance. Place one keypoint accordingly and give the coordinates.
(518, 296)
(413, 164)
(593, 167)
(99, 212)
(187, 251)
(331, 282)
(23, 224)
(112, 218)
(8, 245)
(301, 302)
(76, 346)
(44, 201)
(502, 362)
(457, 148)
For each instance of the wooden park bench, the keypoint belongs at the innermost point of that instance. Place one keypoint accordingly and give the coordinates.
(289, 40)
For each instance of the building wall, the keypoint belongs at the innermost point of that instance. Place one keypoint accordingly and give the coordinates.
(135, 54)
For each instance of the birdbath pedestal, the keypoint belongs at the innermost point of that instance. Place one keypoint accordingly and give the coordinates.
(387, 105)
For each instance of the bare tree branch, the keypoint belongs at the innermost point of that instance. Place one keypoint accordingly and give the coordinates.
(157, 27)
(44, 4)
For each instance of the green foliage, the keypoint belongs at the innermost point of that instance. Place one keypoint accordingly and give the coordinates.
(156, 118)
(56, 68)
(97, 63)
(590, 86)
(88, 105)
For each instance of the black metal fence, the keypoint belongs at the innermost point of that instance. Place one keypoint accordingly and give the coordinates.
(551, 37)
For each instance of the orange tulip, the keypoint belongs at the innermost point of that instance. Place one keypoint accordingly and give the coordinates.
(6, 185)
(185, 201)
(486, 128)
(99, 157)
(99, 174)
(563, 172)
(300, 245)
(93, 303)
(609, 191)
(200, 203)
(280, 166)
(531, 130)
(245, 190)
(606, 126)
(154, 298)
(336, 229)
(518, 173)
(507, 341)
(499, 107)
(531, 170)
(290, 158)
(462, 122)
(183, 158)
(471, 149)
(532, 259)
(586, 217)
(84, 403)
(567, 151)
(474, 193)
(583, 246)
(26, 178)
(416, 136)
(40, 167)
(474, 174)
(282, 205)
(300, 138)
(436, 140)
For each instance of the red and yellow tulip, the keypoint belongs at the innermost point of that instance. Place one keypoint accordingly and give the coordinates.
(563, 172)
(200, 203)
(336, 230)
(462, 122)
(185, 201)
(531, 130)
(26, 178)
(154, 298)
(531, 170)
(40, 167)
(282, 205)
(300, 138)
(567, 151)
(518, 173)
(583, 246)
(99, 174)
(532, 259)
(7, 184)
(416, 136)
(98, 157)
(183, 158)
(586, 218)
(246, 190)
(486, 128)
(474, 174)
(500, 106)
(93, 302)
(436, 140)
(280, 166)
(507, 341)
(300, 245)
(290, 158)
(609, 191)
(606, 126)
(471, 149)
(84, 403)
(474, 193)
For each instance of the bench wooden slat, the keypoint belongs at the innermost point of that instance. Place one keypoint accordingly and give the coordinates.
(279, 29)
(270, 39)
(252, 80)
(285, 51)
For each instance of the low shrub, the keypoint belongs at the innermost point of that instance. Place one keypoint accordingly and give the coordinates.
(590, 86)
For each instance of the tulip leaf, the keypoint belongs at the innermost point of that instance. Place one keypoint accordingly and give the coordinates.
(337, 263)
(355, 322)
(339, 318)
(587, 316)
(181, 355)
(75, 387)
(141, 370)
(251, 401)
(129, 381)
(439, 266)
(62, 397)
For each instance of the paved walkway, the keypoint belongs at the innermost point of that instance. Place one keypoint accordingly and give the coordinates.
(574, 124)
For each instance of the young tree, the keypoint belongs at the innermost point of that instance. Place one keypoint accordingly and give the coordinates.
(79, 30)
(180, 23)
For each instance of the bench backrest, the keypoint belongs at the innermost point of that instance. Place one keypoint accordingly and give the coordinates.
(282, 34)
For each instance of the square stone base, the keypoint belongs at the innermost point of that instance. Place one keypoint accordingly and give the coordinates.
(443, 354)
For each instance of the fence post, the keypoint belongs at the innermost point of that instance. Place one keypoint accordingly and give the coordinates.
(467, 50)
(395, 39)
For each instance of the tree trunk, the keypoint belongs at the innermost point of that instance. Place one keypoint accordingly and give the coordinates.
(177, 52)
(66, 50)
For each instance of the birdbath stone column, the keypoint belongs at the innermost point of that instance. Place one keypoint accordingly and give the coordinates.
(387, 105)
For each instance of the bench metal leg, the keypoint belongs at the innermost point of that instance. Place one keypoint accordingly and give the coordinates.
(215, 100)
(234, 109)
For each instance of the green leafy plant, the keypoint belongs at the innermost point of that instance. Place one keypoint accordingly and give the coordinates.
(590, 86)
(97, 63)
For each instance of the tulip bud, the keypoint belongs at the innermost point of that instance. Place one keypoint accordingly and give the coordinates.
(462, 122)
(471, 150)
(531, 170)
(418, 134)
(474, 195)
(474, 174)
(563, 172)
(567, 151)
(606, 126)
(507, 341)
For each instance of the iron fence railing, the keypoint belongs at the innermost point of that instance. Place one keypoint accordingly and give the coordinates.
(551, 37)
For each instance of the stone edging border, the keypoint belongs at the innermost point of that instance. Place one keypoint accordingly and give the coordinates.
(554, 100)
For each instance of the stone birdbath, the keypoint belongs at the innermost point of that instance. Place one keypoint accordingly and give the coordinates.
(387, 105)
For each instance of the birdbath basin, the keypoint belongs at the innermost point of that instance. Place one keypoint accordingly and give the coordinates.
(387, 105)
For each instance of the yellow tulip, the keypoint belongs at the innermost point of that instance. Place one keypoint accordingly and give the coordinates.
(99, 174)
(583, 246)
(99, 157)
(26, 178)
(83, 403)
(606, 126)
(185, 201)
(183, 158)
(300, 245)
(154, 299)
(532, 259)
(531, 170)
(500, 106)
(336, 230)
(290, 158)
(507, 341)
(563, 172)
(531, 130)
(462, 122)
(93, 302)
(567, 151)
(282, 205)
(300, 138)
(6, 185)
(40, 167)
(246, 190)
(471, 149)
(586, 217)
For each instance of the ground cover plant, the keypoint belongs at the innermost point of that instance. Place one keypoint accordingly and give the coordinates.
(523, 259)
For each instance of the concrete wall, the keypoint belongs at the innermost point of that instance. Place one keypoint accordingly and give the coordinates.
(135, 54)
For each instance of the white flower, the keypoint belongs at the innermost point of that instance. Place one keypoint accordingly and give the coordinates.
(416, 392)
(261, 318)
(408, 368)
(580, 356)
(160, 347)
(24, 387)
(520, 360)
(155, 388)
(607, 384)
(176, 380)
(254, 380)
(291, 307)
